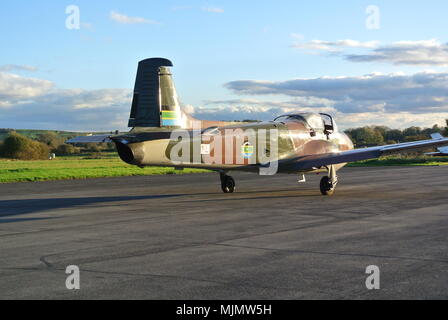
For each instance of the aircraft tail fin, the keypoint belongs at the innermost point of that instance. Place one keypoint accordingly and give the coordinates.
(155, 102)
(171, 113)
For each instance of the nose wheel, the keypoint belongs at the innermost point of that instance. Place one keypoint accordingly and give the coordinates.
(227, 183)
(328, 183)
(326, 187)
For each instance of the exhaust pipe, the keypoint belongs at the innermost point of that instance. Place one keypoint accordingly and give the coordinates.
(130, 153)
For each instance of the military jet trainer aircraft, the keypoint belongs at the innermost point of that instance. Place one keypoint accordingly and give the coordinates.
(163, 134)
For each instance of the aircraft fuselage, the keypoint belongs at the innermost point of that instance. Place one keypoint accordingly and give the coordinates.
(240, 147)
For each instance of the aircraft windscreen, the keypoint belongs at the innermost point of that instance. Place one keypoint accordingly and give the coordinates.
(311, 120)
(287, 118)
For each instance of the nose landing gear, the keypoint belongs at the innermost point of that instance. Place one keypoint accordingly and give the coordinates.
(227, 183)
(328, 183)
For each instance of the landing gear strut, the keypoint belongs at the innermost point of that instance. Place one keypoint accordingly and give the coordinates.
(328, 183)
(227, 183)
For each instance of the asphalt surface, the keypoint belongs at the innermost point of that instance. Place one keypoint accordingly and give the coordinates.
(180, 237)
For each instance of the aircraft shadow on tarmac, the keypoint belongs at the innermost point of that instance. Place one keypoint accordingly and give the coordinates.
(26, 206)
(2, 220)
(254, 195)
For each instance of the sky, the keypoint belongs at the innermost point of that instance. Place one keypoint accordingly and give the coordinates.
(365, 62)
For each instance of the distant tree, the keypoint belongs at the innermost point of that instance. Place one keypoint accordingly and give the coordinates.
(51, 139)
(376, 139)
(356, 135)
(415, 138)
(394, 134)
(435, 129)
(110, 146)
(66, 149)
(377, 135)
(382, 130)
(17, 146)
(93, 147)
(412, 131)
(366, 136)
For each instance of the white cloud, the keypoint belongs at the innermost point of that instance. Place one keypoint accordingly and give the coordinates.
(332, 46)
(36, 103)
(254, 109)
(422, 94)
(303, 102)
(213, 9)
(188, 108)
(14, 88)
(395, 100)
(268, 110)
(427, 52)
(124, 19)
(424, 52)
(399, 120)
(17, 67)
(397, 90)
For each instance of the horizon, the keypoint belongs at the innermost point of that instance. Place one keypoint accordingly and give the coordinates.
(345, 129)
(365, 62)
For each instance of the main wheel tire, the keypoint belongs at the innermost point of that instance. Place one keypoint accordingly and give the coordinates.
(228, 184)
(325, 187)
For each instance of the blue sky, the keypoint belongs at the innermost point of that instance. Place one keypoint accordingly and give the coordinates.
(214, 46)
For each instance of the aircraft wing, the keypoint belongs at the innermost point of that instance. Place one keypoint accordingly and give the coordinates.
(90, 139)
(319, 160)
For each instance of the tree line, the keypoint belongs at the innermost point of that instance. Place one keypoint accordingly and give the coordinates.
(18, 146)
(379, 135)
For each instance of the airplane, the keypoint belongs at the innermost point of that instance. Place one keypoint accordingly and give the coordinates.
(164, 134)
(441, 151)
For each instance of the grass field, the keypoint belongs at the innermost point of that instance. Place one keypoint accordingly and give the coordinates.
(402, 161)
(78, 167)
(109, 165)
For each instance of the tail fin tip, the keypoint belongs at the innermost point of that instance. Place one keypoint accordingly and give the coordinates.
(145, 108)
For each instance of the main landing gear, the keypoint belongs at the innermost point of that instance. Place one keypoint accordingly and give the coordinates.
(328, 183)
(227, 183)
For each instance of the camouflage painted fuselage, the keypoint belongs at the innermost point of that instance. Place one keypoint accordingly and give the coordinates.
(242, 147)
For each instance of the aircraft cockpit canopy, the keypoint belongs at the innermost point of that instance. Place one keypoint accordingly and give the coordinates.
(318, 122)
